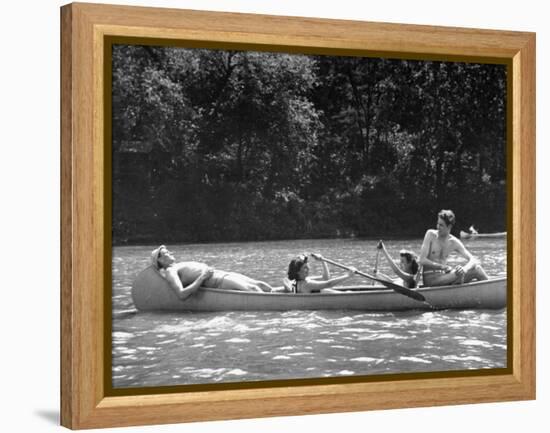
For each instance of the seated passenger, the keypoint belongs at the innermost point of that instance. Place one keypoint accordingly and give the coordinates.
(438, 244)
(407, 270)
(301, 282)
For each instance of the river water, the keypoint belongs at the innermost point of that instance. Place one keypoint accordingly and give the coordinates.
(167, 349)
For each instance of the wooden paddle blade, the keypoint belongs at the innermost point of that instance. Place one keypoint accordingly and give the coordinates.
(410, 293)
(396, 287)
(401, 290)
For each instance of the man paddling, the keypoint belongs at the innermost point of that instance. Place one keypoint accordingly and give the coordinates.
(187, 277)
(437, 246)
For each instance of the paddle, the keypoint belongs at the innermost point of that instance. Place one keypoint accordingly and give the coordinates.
(376, 263)
(396, 287)
(288, 288)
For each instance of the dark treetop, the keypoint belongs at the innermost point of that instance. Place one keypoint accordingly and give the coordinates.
(213, 145)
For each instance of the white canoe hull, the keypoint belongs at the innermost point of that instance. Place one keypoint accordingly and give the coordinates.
(151, 292)
(466, 235)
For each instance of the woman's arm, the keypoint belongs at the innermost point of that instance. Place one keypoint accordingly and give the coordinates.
(384, 277)
(326, 271)
(184, 292)
(399, 272)
(317, 285)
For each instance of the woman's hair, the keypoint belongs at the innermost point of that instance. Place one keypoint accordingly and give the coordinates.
(411, 258)
(295, 265)
(155, 255)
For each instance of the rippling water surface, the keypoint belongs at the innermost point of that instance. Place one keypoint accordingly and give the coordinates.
(157, 349)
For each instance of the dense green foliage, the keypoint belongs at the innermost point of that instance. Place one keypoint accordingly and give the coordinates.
(212, 145)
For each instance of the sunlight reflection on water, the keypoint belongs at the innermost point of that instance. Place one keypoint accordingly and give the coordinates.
(155, 349)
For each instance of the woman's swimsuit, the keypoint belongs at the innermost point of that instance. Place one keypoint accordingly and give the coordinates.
(295, 288)
(216, 280)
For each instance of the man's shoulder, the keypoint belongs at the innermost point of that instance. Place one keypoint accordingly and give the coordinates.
(454, 240)
(431, 233)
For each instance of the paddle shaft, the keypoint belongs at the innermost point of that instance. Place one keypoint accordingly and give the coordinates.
(396, 287)
(376, 263)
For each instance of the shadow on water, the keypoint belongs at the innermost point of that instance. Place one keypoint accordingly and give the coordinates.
(50, 415)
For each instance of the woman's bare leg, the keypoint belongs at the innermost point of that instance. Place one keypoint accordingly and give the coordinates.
(264, 286)
(235, 281)
(259, 286)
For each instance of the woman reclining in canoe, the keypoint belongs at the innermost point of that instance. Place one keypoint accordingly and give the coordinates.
(301, 282)
(187, 277)
(407, 271)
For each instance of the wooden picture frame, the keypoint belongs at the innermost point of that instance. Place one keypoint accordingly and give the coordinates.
(85, 213)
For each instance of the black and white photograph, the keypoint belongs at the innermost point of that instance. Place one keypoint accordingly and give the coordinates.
(281, 216)
(167, 164)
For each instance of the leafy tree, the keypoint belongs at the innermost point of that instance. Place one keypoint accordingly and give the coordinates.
(233, 145)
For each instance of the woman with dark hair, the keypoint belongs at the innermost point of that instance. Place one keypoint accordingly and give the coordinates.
(301, 282)
(407, 270)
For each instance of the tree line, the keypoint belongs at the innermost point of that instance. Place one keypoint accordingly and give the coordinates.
(242, 145)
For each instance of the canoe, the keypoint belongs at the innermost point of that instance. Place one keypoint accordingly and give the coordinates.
(466, 235)
(151, 292)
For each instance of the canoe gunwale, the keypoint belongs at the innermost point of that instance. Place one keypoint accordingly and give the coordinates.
(498, 235)
(356, 290)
